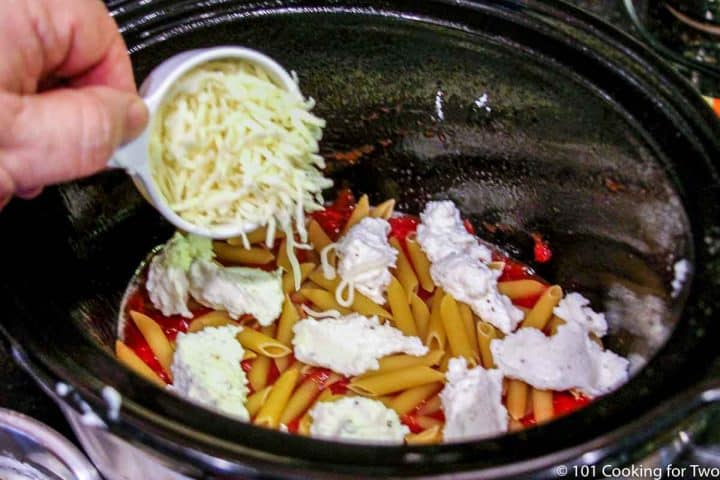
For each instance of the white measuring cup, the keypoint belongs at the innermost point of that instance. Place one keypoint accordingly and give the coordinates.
(133, 157)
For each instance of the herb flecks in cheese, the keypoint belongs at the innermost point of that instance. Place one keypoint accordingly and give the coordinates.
(472, 402)
(470, 281)
(357, 419)
(206, 369)
(460, 265)
(568, 359)
(350, 345)
(238, 290)
(167, 283)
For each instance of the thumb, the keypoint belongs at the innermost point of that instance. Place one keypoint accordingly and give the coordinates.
(64, 134)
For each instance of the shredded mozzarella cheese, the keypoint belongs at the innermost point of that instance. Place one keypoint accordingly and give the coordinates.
(231, 147)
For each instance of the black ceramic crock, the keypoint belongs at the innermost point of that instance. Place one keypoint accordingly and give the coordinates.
(533, 116)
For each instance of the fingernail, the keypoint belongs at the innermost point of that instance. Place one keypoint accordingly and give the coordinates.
(29, 194)
(137, 118)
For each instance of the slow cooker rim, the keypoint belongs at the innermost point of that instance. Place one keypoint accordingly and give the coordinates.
(688, 105)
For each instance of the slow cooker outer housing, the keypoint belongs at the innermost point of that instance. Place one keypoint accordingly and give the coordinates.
(572, 102)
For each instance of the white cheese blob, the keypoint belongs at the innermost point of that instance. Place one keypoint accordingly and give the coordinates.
(168, 288)
(470, 281)
(357, 419)
(574, 309)
(365, 258)
(681, 272)
(206, 369)
(568, 359)
(472, 402)
(350, 345)
(442, 233)
(167, 283)
(238, 290)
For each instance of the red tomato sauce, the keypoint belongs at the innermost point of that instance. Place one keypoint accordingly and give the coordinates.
(563, 403)
(336, 215)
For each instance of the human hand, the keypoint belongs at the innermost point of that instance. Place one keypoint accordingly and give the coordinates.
(67, 93)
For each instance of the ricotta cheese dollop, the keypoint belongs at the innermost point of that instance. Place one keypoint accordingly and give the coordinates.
(470, 281)
(206, 369)
(167, 283)
(365, 257)
(442, 233)
(238, 290)
(357, 419)
(472, 402)
(568, 359)
(459, 265)
(573, 308)
(350, 344)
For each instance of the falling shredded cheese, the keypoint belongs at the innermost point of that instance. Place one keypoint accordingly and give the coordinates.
(232, 147)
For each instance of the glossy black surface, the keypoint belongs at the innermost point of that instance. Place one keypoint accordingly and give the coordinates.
(589, 140)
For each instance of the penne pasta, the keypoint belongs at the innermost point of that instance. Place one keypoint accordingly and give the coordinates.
(270, 412)
(155, 338)
(319, 239)
(383, 210)
(256, 236)
(240, 255)
(435, 338)
(515, 425)
(328, 396)
(361, 304)
(258, 374)
(428, 436)
(304, 425)
(323, 300)
(517, 398)
(398, 301)
(455, 330)
(420, 263)
(421, 314)
(361, 210)
(395, 381)
(288, 282)
(542, 405)
(283, 260)
(412, 397)
(282, 363)
(429, 422)
(262, 343)
(404, 270)
(216, 318)
(304, 396)
(540, 314)
(288, 318)
(521, 288)
(130, 359)
(444, 363)
(468, 319)
(431, 405)
(554, 323)
(255, 401)
(248, 355)
(486, 333)
(397, 362)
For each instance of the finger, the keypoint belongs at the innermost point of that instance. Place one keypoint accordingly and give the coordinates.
(114, 70)
(62, 38)
(29, 194)
(65, 134)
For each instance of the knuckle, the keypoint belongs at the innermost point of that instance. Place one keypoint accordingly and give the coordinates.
(96, 125)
